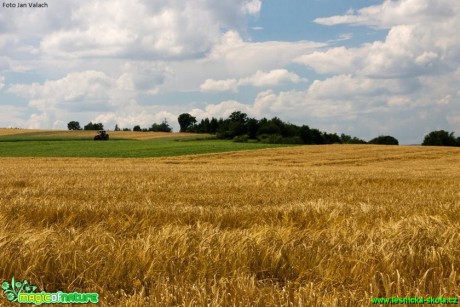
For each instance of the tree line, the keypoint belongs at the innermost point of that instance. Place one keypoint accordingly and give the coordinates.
(441, 138)
(239, 127)
(163, 127)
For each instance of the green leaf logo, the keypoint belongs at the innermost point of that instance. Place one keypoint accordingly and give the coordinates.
(12, 289)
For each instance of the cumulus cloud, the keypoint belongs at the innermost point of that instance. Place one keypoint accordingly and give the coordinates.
(391, 13)
(146, 29)
(114, 28)
(143, 117)
(88, 89)
(234, 58)
(222, 109)
(413, 71)
(54, 102)
(339, 60)
(12, 116)
(272, 78)
(421, 40)
(407, 51)
(259, 79)
(211, 85)
(234, 49)
(91, 96)
(252, 7)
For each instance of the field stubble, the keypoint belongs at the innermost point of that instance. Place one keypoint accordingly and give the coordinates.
(304, 226)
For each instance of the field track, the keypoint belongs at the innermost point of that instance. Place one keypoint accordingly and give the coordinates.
(301, 226)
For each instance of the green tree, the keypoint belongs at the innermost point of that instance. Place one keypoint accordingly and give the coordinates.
(186, 122)
(348, 139)
(95, 126)
(73, 125)
(440, 138)
(317, 136)
(306, 135)
(384, 140)
(213, 125)
(137, 128)
(237, 124)
(252, 126)
(163, 127)
(117, 128)
(331, 138)
(268, 127)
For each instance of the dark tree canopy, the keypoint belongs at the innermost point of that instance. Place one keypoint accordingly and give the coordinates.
(163, 127)
(186, 122)
(384, 140)
(440, 138)
(73, 125)
(137, 128)
(238, 126)
(95, 126)
(348, 139)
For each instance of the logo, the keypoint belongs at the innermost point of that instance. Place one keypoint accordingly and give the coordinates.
(24, 293)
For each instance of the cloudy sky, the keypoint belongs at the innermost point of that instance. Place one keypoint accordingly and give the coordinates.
(361, 67)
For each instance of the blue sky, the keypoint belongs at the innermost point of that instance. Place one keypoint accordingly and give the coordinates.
(294, 20)
(361, 67)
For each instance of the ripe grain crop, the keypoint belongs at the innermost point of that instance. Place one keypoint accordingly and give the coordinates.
(89, 134)
(12, 131)
(299, 226)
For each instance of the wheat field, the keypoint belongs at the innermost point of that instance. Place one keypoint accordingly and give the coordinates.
(303, 226)
(133, 135)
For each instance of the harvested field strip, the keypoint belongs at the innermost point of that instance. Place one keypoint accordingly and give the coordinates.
(26, 134)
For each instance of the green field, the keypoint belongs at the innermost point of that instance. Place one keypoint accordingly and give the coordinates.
(44, 145)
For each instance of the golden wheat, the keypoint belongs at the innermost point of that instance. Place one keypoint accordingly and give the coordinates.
(303, 226)
(136, 135)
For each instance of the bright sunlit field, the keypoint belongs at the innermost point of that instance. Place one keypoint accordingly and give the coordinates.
(299, 226)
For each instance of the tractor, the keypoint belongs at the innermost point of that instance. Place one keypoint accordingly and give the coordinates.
(102, 135)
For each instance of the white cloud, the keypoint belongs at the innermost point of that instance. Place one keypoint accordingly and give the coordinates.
(422, 40)
(222, 109)
(143, 117)
(143, 77)
(146, 29)
(339, 60)
(408, 51)
(241, 57)
(75, 90)
(391, 13)
(12, 116)
(2, 82)
(139, 29)
(252, 7)
(234, 58)
(36, 121)
(259, 79)
(210, 85)
(454, 121)
(271, 78)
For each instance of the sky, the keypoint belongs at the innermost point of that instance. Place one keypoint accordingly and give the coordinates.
(359, 67)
